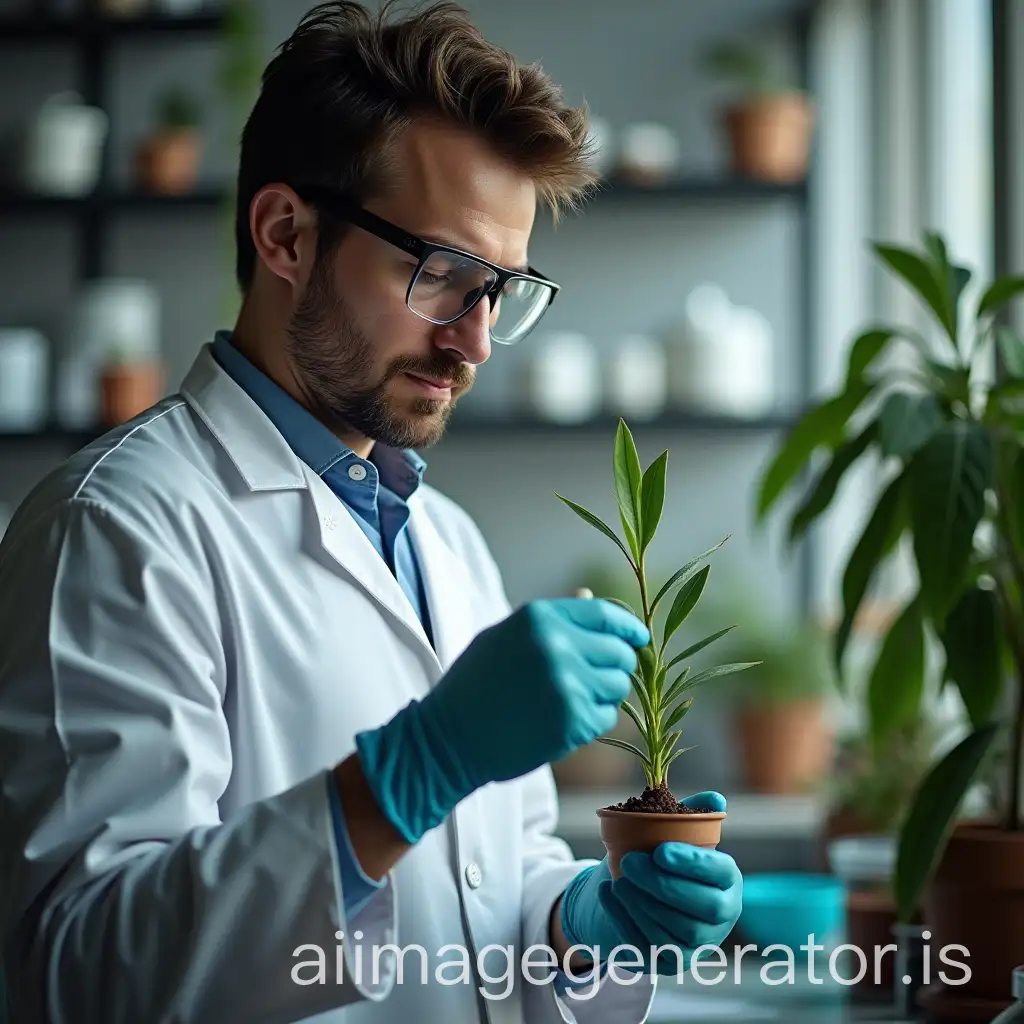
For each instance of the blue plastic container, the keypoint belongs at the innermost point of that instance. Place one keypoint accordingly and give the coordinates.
(788, 908)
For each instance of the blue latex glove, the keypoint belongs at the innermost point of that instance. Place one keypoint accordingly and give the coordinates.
(679, 896)
(527, 691)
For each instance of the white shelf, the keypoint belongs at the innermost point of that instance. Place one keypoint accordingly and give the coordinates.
(749, 815)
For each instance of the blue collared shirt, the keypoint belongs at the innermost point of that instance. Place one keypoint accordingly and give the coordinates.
(376, 492)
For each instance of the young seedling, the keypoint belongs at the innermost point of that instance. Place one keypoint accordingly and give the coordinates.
(660, 705)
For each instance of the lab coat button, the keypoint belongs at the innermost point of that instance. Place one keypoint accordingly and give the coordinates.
(357, 472)
(473, 875)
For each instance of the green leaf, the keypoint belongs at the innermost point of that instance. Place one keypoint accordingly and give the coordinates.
(679, 573)
(825, 488)
(613, 741)
(677, 753)
(594, 521)
(998, 294)
(652, 491)
(949, 476)
(637, 721)
(864, 351)
(677, 687)
(822, 426)
(907, 422)
(622, 604)
(647, 660)
(684, 603)
(628, 479)
(927, 825)
(916, 272)
(630, 535)
(1011, 351)
(668, 742)
(951, 381)
(643, 696)
(973, 643)
(718, 671)
(877, 539)
(680, 710)
(896, 684)
(698, 646)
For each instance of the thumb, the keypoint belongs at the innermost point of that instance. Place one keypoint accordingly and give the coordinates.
(602, 616)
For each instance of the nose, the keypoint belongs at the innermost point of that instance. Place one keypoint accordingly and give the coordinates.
(469, 338)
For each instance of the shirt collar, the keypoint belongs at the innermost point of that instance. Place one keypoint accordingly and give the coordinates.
(400, 470)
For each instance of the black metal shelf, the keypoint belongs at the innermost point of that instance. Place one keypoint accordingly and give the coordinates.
(105, 29)
(492, 427)
(16, 204)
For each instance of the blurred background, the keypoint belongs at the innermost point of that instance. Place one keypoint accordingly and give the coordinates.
(750, 150)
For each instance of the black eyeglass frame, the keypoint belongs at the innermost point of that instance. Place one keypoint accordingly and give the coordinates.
(342, 207)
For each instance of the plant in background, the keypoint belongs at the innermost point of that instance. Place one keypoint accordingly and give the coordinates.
(952, 472)
(661, 705)
(746, 65)
(178, 110)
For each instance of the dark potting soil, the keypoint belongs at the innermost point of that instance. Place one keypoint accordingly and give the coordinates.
(657, 801)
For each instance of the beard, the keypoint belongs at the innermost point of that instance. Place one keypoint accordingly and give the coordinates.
(335, 366)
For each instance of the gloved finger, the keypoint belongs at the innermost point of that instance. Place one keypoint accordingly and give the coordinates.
(601, 616)
(603, 650)
(610, 686)
(600, 721)
(695, 899)
(629, 932)
(712, 867)
(654, 931)
(706, 801)
(684, 928)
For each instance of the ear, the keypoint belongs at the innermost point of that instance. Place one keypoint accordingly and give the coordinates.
(283, 230)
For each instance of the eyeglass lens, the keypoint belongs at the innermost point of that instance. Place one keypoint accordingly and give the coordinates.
(448, 284)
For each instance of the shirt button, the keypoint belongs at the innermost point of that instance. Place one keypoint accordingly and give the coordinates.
(357, 472)
(473, 875)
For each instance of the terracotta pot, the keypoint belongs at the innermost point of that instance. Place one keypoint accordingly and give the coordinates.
(787, 747)
(625, 832)
(125, 391)
(168, 163)
(870, 916)
(976, 900)
(770, 136)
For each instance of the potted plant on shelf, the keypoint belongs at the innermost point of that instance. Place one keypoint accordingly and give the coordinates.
(655, 816)
(770, 125)
(951, 448)
(168, 160)
(130, 382)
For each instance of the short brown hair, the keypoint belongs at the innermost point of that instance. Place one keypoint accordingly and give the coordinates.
(346, 82)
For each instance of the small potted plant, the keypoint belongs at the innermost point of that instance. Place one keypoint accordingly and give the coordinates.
(771, 123)
(655, 816)
(168, 160)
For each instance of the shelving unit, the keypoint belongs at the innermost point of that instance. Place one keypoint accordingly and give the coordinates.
(94, 39)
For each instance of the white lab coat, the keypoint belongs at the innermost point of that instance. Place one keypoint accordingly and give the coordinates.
(192, 630)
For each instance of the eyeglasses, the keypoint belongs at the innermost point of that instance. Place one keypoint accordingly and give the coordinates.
(447, 283)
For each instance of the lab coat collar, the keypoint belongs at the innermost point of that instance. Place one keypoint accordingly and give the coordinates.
(259, 452)
(266, 462)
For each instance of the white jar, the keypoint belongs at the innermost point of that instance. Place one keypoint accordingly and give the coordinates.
(24, 379)
(63, 147)
(721, 357)
(635, 378)
(563, 382)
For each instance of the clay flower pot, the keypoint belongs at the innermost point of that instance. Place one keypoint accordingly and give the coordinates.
(786, 747)
(770, 136)
(128, 389)
(168, 162)
(627, 831)
(976, 900)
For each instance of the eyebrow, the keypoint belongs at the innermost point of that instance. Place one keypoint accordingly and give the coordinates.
(522, 268)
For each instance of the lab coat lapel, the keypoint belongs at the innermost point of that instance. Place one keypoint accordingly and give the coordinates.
(342, 539)
(453, 599)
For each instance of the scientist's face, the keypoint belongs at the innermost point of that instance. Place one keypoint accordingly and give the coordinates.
(367, 362)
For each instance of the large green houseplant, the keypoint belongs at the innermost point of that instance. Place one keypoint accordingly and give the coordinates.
(662, 685)
(950, 450)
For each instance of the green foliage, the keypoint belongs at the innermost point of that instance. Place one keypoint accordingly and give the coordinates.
(950, 449)
(744, 64)
(179, 109)
(661, 705)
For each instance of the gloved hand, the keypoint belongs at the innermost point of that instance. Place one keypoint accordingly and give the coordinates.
(680, 896)
(529, 690)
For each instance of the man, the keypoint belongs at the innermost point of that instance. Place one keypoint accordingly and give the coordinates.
(274, 745)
